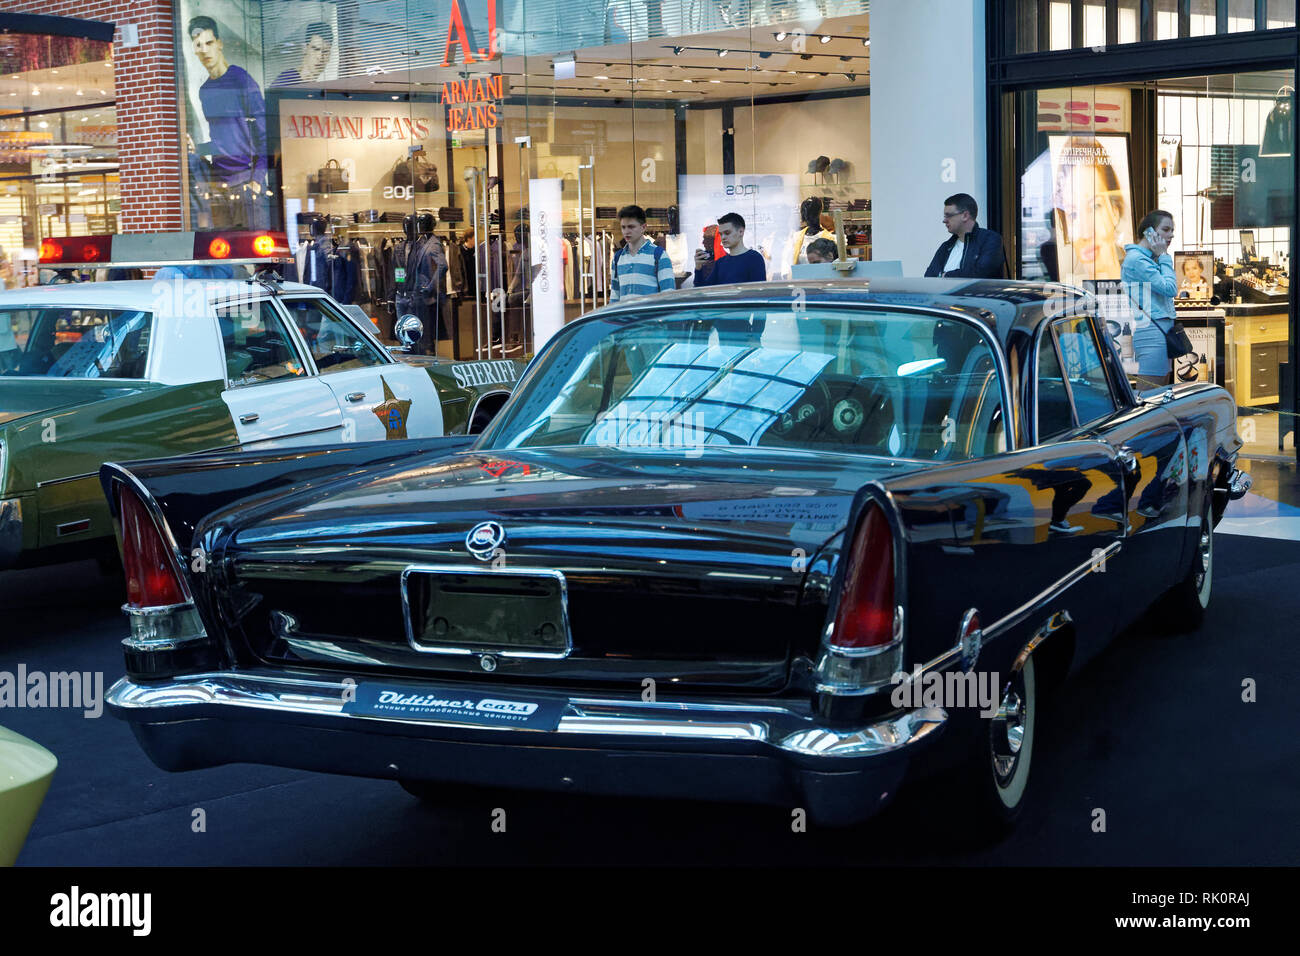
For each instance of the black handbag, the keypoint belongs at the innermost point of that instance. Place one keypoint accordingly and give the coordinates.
(426, 174)
(1177, 341)
(332, 177)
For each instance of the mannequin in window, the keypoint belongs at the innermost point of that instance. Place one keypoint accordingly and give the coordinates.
(429, 281)
(313, 265)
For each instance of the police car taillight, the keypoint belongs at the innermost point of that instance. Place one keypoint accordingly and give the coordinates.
(249, 244)
(75, 249)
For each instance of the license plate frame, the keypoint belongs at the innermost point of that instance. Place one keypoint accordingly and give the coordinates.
(519, 603)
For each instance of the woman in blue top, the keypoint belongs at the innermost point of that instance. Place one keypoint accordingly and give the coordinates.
(1148, 275)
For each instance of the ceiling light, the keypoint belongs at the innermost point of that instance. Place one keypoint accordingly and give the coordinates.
(723, 52)
(35, 91)
(43, 125)
(54, 72)
(677, 51)
(867, 42)
(81, 92)
(825, 38)
(685, 80)
(602, 77)
(781, 36)
(715, 81)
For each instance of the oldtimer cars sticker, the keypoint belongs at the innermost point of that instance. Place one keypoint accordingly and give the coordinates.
(832, 508)
(455, 704)
(392, 412)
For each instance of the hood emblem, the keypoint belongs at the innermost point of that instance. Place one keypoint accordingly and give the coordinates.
(484, 539)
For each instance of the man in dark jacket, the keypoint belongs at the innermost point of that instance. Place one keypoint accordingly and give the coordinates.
(970, 252)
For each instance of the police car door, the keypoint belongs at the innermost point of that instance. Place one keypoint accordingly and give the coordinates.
(273, 398)
(379, 398)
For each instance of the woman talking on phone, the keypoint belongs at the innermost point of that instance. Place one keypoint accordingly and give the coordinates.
(1149, 281)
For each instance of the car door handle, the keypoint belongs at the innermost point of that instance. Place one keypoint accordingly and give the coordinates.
(355, 396)
(1128, 458)
(249, 418)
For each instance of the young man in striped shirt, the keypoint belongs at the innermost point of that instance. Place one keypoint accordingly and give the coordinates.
(640, 267)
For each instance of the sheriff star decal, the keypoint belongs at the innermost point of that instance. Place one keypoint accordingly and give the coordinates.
(392, 412)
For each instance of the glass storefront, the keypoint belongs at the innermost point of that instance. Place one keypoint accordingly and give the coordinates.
(58, 147)
(1214, 150)
(513, 131)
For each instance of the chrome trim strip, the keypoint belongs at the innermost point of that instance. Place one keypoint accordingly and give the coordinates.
(1062, 584)
(67, 528)
(557, 576)
(783, 729)
(60, 481)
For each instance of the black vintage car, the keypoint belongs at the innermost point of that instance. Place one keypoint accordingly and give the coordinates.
(747, 543)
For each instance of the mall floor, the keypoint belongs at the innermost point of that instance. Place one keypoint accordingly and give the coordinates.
(1154, 731)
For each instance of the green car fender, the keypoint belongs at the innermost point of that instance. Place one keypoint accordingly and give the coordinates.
(25, 772)
(52, 456)
(470, 392)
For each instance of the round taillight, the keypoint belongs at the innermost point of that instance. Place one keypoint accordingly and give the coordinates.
(51, 251)
(90, 252)
(264, 245)
(219, 248)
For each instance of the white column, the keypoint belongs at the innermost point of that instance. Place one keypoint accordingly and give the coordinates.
(928, 122)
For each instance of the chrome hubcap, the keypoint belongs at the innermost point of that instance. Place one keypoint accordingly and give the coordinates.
(1008, 730)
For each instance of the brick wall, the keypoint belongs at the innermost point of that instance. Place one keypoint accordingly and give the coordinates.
(148, 138)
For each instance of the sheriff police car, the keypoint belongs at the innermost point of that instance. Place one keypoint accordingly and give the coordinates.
(112, 371)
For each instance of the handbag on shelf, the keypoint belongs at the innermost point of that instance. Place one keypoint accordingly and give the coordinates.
(332, 178)
(402, 173)
(426, 173)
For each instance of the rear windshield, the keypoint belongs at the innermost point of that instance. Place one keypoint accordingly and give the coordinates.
(866, 381)
(79, 342)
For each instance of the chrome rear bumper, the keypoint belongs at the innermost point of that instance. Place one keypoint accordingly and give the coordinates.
(713, 750)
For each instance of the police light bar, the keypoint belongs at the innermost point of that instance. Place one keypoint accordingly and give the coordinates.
(152, 250)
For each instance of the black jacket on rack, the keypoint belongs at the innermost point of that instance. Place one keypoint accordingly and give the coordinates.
(315, 266)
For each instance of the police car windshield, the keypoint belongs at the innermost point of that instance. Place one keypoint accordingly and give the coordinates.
(74, 342)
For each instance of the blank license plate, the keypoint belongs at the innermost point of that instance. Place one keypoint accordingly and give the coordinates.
(499, 612)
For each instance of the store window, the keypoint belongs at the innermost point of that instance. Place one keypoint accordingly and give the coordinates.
(1222, 164)
(1241, 15)
(1166, 16)
(1202, 18)
(1130, 21)
(58, 147)
(1281, 13)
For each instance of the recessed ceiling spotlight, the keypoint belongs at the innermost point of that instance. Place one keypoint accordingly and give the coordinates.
(867, 42)
(825, 38)
(715, 81)
(601, 77)
(686, 80)
(723, 52)
(781, 36)
(677, 51)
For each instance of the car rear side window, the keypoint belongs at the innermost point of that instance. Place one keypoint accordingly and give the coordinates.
(1054, 417)
(1089, 387)
(75, 342)
(257, 344)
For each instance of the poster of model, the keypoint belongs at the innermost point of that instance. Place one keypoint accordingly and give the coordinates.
(769, 204)
(224, 69)
(1093, 199)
